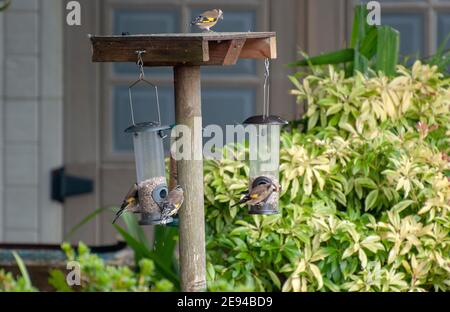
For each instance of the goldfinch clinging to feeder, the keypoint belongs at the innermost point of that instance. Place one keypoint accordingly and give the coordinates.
(172, 203)
(207, 19)
(258, 194)
(130, 203)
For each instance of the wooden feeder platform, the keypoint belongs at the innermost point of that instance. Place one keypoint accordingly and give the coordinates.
(191, 49)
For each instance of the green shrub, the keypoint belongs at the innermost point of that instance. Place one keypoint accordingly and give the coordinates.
(363, 106)
(4, 5)
(366, 197)
(97, 276)
(8, 283)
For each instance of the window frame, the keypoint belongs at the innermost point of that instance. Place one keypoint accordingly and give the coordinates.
(110, 79)
(429, 8)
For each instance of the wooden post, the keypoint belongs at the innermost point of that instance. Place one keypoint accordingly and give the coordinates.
(190, 177)
(173, 173)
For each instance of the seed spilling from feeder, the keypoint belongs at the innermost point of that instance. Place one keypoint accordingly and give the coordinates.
(149, 157)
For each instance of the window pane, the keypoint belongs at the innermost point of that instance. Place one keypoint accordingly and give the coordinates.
(411, 28)
(144, 103)
(444, 31)
(227, 106)
(220, 106)
(144, 22)
(443, 28)
(234, 21)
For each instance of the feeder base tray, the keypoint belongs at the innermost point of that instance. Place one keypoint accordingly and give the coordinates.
(256, 210)
(148, 220)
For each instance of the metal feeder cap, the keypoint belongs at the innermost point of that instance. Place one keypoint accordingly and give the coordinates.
(265, 120)
(146, 126)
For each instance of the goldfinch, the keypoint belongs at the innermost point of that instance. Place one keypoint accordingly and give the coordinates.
(171, 204)
(258, 194)
(130, 203)
(207, 19)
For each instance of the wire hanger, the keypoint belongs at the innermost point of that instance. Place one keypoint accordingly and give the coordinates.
(140, 64)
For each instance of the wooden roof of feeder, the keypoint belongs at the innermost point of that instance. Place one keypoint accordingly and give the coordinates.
(194, 49)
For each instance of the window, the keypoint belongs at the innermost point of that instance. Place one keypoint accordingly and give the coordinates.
(229, 93)
(424, 24)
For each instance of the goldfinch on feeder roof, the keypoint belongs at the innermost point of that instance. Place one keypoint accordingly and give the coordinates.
(207, 19)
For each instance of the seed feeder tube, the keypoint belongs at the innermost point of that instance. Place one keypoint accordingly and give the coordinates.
(150, 169)
(264, 145)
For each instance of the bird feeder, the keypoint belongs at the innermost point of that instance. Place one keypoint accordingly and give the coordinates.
(149, 157)
(264, 148)
(187, 53)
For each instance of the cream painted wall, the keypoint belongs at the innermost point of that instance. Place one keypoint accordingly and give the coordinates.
(31, 110)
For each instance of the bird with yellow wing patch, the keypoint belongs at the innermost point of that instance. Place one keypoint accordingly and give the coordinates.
(207, 19)
(171, 204)
(130, 203)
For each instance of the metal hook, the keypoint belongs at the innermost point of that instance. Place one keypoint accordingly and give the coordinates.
(141, 78)
(140, 63)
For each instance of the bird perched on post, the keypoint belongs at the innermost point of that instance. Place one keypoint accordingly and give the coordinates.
(130, 203)
(171, 204)
(207, 19)
(259, 194)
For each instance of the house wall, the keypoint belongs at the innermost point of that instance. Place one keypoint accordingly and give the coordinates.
(31, 119)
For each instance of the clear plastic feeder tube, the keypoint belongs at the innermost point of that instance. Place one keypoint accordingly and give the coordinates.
(265, 151)
(150, 169)
(149, 155)
(264, 163)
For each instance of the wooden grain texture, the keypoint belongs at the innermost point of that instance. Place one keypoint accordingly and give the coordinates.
(159, 52)
(187, 36)
(190, 177)
(260, 48)
(185, 49)
(173, 173)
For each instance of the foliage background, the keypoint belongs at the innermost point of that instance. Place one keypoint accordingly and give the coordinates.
(365, 197)
(364, 207)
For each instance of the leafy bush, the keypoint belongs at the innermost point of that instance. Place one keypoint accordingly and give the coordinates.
(96, 276)
(361, 106)
(366, 198)
(8, 283)
(5, 5)
(161, 252)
